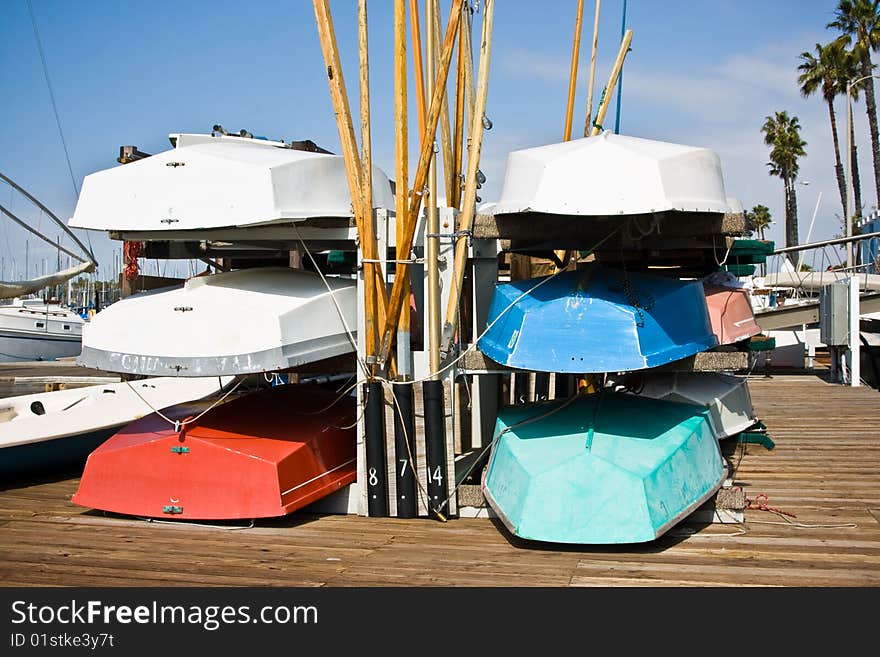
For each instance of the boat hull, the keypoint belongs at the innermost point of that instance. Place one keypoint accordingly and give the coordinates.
(239, 322)
(59, 454)
(725, 397)
(261, 455)
(730, 313)
(33, 330)
(596, 320)
(56, 430)
(644, 467)
(18, 346)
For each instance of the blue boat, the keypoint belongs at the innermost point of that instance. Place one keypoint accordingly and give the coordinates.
(601, 469)
(597, 320)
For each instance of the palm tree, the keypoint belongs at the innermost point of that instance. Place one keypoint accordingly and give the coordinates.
(782, 133)
(824, 71)
(847, 68)
(859, 21)
(856, 178)
(758, 219)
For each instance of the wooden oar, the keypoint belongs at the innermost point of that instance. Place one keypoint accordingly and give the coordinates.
(372, 270)
(573, 71)
(427, 146)
(458, 125)
(430, 202)
(402, 175)
(445, 129)
(563, 256)
(417, 63)
(470, 191)
(592, 71)
(353, 168)
(612, 82)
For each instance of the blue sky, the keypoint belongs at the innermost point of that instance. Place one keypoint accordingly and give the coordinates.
(700, 73)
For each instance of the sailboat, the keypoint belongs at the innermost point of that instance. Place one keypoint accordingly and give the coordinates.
(35, 329)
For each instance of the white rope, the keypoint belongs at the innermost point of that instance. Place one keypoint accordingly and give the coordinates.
(177, 424)
(715, 253)
(348, 330)
(496, 438)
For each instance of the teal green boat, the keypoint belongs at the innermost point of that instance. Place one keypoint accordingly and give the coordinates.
(602, 468)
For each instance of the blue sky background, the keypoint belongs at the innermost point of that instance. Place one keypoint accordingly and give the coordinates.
(700, 73)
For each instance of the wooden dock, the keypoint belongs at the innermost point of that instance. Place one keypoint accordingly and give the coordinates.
(824, 470)
(31, 377)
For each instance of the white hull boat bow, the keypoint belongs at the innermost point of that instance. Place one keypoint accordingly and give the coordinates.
(48, 430)
(239, 322)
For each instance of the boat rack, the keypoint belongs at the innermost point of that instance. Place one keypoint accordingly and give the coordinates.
(694, 242)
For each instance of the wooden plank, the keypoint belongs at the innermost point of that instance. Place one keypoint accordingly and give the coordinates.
(577, 230)
(708, 361)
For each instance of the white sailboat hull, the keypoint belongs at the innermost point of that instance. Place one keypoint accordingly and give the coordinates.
(68, 413)
(31, 330)
(57, 430)
(240, 322)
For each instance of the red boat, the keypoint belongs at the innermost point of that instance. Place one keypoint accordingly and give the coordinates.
(730, 313)
(261, 455)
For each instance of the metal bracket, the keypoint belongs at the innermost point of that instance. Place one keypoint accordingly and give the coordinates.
(411, 261)
(453, 236)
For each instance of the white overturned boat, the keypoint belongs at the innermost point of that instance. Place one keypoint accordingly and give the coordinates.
(239, 322)
(725, 396)
(34, 330)
(51, 429)
(215, 181)
(611, 175)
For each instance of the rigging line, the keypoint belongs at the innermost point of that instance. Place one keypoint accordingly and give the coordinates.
(52, 95)
(34, 231)
(57, 116)
(51, 214)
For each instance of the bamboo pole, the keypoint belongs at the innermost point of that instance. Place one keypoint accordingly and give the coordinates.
(351, 158)
(404, 369)
(469, 68)
(573, 71)
(470, 191)
(445, 129)
(372, 270)
(458, 126)
(612, 81)
(396, 299)
(432, 219)
(417, 63)
(592, 71)
(564, 256)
